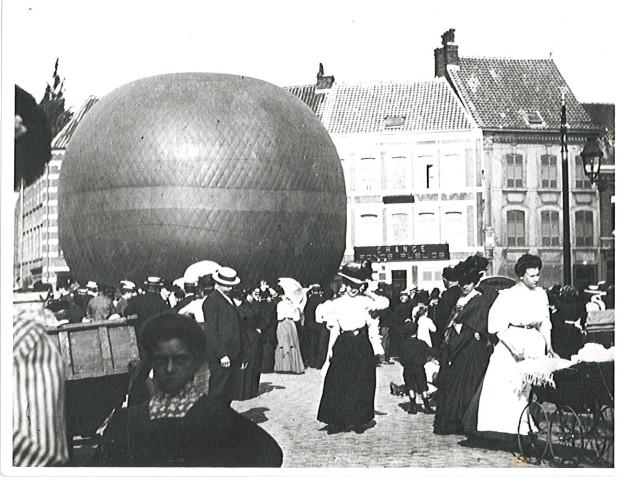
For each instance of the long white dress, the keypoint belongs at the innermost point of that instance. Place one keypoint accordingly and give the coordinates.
(520, 315)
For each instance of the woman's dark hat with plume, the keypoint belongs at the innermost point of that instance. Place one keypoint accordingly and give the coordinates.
(32, 139)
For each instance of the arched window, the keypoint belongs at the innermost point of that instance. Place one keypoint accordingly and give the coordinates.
(584, 229)
(515, 228)
(550, 228)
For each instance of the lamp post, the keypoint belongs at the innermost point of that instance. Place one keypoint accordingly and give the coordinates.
(591, 158)
(566, 214)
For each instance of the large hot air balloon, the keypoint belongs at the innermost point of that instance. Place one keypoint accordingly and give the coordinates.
(169, 170)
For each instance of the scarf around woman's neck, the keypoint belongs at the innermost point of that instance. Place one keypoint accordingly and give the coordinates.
(163, 405)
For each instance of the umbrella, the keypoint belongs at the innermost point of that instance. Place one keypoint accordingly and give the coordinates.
(294, 291)
(200, 269)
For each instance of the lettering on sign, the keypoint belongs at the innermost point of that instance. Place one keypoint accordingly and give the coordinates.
(400, 253)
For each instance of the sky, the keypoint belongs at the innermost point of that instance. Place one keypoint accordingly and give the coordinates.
(103, 45)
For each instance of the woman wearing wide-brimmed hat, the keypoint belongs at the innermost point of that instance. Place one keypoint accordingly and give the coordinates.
(349, 385)
(180, 426)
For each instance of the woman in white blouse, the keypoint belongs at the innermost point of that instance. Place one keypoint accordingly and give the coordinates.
(520, 319)
(349, 385)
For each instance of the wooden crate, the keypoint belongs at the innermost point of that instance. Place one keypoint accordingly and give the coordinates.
(91, 350)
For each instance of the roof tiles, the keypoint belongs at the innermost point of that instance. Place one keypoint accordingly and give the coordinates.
(405, 106)
(504, 93)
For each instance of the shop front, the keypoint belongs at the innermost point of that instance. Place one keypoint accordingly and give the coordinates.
(405, 266)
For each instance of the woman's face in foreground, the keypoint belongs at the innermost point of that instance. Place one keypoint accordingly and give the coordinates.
(467, 288)
(531, 277)
(174, 365)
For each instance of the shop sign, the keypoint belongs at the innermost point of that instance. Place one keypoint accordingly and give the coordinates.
(401, 253)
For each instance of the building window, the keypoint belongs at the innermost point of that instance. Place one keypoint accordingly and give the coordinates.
(425, 174)
(368, 178)
(392, 121)
(399, 228)
(550, 228)
(581, 179)
(515, 228)
(369, 233)
(549, 171)
(454, 231)
(534, 119)
(514, 171)
(452, 172)
(426, 229)
(397, 173)
(584, 236)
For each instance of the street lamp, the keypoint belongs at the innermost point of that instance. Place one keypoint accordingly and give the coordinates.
(591, 158)
(566, 215)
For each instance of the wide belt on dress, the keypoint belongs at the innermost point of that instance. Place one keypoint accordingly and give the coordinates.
(353, 333)
(527, 327)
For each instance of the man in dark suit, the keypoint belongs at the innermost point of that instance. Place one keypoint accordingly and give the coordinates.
(223, 341)
(141, 307)
(445, 305)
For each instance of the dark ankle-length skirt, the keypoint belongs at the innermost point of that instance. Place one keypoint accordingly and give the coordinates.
(350, 382)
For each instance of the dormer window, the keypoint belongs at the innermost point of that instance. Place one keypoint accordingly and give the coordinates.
(533, 119)
(393, 121)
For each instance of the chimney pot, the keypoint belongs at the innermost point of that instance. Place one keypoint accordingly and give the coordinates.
(448, 54)
(324, 82)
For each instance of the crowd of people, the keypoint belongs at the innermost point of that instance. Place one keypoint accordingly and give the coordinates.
(206, 341)
(482, 337)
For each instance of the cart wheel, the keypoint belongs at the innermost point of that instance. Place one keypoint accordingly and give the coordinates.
(598, 428)
(566, 438)
(603, 437)
(533, 433)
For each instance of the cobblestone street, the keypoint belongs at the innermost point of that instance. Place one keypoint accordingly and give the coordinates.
(288, 406)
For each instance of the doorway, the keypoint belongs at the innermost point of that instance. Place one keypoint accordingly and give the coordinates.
(584, 275)
(399, 280)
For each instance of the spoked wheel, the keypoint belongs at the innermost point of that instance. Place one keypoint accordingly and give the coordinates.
(533, 433)
(603, 437)
(566, 438)
(599, 436)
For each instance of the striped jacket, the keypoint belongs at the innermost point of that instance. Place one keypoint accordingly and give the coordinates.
(39, 422)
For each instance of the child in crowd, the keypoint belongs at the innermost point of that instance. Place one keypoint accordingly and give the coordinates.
(425, 324)
(413, 355)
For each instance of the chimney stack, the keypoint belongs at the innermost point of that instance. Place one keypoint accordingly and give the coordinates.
(324, 81)
(447, 55)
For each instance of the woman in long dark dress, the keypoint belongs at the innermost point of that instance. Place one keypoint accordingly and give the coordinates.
(466, 351)
(348, 395)
(251, 354)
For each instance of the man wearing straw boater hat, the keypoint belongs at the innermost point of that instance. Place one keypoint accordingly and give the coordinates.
(222, 328)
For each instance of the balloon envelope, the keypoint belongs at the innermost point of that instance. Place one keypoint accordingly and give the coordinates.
(167, 170)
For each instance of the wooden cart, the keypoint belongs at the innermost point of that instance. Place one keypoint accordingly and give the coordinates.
(96, 360)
